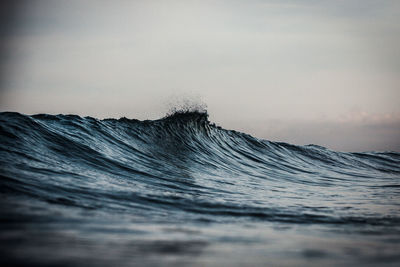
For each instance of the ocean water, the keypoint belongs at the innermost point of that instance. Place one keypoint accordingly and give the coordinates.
(181, 191)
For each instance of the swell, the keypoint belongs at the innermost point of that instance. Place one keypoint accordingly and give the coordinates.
(184, 165)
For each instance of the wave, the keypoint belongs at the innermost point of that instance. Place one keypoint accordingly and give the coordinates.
(189, 168)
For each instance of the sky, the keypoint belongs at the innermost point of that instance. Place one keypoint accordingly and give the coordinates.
(304, 72)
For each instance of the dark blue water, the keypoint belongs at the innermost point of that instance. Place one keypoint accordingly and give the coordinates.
(181, 191)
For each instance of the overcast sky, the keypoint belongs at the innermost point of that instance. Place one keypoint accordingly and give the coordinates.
(322, 72)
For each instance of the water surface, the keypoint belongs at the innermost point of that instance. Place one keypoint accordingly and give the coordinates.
(181, 191)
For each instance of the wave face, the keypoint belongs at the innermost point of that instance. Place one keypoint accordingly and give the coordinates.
(131, 178)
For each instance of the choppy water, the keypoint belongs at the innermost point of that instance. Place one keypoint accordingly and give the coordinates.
(181, 191)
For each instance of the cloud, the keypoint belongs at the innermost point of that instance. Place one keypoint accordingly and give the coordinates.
(366, 118)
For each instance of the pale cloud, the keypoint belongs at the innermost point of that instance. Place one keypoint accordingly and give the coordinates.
(364, 117)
